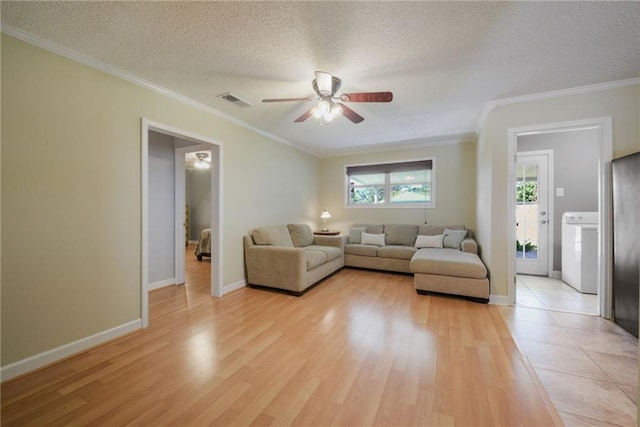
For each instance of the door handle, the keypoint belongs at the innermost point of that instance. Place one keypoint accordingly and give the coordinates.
(543, 221)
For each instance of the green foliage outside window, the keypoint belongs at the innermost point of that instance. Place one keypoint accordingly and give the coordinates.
(410, 193)
(367, 195)
(528, 246)
(526, 192)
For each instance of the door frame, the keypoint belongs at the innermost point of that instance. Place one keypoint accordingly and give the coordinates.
(605, 138)
(550, 199)
(216, 148)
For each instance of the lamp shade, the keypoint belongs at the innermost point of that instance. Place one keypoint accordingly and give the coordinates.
(325, 214)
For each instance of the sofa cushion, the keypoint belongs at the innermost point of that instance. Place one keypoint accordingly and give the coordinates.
(448, 262)
(331, 251)
(363, 250)
(355, 234)
(370, 228)
(400, 234)
(429, 241)
(375, 229)
(396, 251)
(372, 239)
(277, 235)
(301, 234)
(315, 259)
(453, 238)
(433, 230)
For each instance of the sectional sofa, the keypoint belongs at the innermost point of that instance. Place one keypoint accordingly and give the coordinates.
(443, 259)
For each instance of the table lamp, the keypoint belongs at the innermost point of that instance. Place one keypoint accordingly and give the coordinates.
(325, 216)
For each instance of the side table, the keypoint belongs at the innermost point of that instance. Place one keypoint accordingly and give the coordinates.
(326, 232)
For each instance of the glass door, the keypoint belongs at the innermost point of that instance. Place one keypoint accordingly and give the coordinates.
(531, 214)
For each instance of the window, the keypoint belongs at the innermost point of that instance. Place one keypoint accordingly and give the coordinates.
(404, 184)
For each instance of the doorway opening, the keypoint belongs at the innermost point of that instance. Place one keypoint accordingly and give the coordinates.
(559, 168)
(171, 250)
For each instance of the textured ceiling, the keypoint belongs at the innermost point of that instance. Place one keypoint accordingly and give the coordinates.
(441, 60)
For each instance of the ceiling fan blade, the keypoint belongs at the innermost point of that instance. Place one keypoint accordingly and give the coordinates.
(286, 99)
(304, 116)
(351, 115)
(367, 97)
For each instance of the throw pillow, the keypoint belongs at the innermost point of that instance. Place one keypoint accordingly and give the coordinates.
(372, 239)
(355, 234)
(300, 234)
(429, 241)
(453, 238)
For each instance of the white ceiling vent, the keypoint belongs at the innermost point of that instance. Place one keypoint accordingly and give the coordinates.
(234, 100)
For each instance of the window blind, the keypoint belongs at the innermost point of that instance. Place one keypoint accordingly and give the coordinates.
(390, 167)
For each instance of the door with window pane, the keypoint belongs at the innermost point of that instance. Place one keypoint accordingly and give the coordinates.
(532, 214)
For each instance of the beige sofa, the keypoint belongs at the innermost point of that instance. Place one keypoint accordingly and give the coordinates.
(454, 269)
(291, 257)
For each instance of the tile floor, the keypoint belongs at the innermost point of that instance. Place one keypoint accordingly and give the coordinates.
(553, 294)
(587, 365)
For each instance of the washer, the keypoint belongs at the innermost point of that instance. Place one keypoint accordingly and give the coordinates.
(580, 251)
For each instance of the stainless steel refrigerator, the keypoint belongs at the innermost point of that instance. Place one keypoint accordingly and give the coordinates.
(626, 245)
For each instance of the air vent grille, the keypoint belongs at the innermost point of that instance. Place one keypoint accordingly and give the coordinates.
(234, 99)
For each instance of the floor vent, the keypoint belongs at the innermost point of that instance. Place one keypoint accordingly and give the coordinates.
(234, 100)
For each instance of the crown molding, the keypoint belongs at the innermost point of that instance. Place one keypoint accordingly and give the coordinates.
(405, 144)
(566, 92)
(487, 108)
(132, 78)
(492, 105)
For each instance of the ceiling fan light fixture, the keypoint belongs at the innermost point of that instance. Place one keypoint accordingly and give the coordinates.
(324, 83)
(323, 107)
(202, 162)
(326, 86)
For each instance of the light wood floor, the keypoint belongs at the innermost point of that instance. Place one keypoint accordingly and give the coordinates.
(196, 289)
(362, 348)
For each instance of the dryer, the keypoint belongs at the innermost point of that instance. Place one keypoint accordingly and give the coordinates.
(580, 251)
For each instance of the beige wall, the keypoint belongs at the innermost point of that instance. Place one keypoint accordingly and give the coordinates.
(492, 209)
(455, 188)
(71, 195)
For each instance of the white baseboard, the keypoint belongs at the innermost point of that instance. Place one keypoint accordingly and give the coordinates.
(48, 357)
(556, 274)
(161, 284)
(233, 286)
(499, 300)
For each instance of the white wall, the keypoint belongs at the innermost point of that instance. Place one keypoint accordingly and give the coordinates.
(493, 187)
(161, 207)
(198, 197)
(455, 190)
(575, 169)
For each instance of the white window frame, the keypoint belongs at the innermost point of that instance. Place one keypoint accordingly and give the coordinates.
(387, 188)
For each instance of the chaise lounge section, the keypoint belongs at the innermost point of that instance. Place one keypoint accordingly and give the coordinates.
(448, 271)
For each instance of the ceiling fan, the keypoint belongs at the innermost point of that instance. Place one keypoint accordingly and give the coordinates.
(326, 86)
